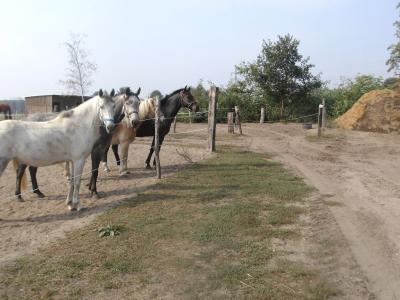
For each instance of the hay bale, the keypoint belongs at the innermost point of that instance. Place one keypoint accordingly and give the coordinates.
(376, 111)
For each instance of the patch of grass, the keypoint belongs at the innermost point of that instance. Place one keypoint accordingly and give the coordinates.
(282, 215)
(120, 265)
(205, 233)
(323, 291)
(109, 230)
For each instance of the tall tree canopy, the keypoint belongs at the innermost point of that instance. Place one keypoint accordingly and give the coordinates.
(281, 73)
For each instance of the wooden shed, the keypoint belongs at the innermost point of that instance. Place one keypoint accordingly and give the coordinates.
(51, 103)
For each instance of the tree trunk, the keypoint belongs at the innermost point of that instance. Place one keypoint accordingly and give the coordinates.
(282, 108)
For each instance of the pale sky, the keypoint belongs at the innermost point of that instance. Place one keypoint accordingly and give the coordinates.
(167, 44)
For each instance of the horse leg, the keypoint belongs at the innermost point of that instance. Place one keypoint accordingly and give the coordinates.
(35, 187)
(159, 148)
(96, 158)
(115, 150)
(77, 174)
(3, 164)
(104, 159)
(20, 173)
(67, 171)
(150, 154)
(71, 187)
(124, 162)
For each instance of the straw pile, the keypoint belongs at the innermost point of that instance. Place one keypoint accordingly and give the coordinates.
(376, 111)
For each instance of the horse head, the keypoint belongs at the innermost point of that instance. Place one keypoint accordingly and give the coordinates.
(106, 107)
(188, 100)
(131, 105)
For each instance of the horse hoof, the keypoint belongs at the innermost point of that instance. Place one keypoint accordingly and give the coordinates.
(20, 199)
(148, 167)
(71, 208)
(107, 169)
(40, 194)
(80, 207)
(95, 196)
(123, 173)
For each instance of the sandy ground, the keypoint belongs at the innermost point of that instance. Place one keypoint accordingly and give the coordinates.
(357, 175)
(354, 229)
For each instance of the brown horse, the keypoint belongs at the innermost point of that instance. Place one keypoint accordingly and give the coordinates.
(6, 110)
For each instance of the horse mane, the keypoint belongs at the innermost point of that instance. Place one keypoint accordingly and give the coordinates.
(166, 97)
(147, 108)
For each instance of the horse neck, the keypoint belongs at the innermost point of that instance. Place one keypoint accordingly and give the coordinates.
(171, 106)
(87, 113)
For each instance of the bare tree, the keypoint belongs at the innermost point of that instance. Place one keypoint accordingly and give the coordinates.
(80, 70)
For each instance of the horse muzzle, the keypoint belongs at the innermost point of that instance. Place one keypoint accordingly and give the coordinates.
(194, 108)
(135, 123)
(110, 126)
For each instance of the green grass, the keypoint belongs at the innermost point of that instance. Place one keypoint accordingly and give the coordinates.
(205, 233)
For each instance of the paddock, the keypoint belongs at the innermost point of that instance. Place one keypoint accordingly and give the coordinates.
(355, 173)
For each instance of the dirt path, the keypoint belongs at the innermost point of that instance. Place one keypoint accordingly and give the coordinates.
(358, 172)
(27, 226)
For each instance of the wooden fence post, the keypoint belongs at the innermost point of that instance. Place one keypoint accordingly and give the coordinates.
(175, 124)
(212, 121)
(324, 113)
(320, 110)
(237, 120)
(190, 117)
(262, 117)
(230, 123)
(157, 137)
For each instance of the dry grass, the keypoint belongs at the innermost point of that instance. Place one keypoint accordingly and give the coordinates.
(205, 233)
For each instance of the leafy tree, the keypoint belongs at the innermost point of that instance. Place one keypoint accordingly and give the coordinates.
(200, 93)
(156, 93)
(341, 98)
(391, 83)
(393, 62)
(281, 74)
(78, 77)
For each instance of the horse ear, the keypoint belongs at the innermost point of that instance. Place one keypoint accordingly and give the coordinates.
(112, 93)
(188, 89)
(100, 93)
(185, 89)
(128, 90)
(138, 91)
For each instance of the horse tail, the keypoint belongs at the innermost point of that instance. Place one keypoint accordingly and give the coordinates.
(24, 183)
